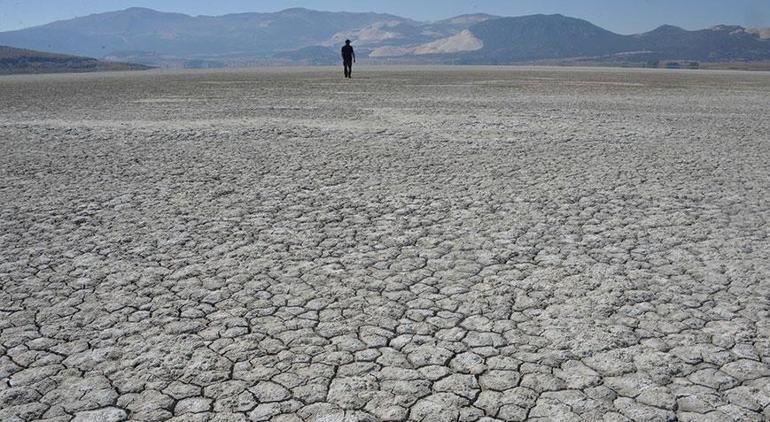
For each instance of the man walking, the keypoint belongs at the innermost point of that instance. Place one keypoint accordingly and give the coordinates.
(348, 58)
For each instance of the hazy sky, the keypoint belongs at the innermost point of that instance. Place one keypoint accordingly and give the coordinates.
(624, 16)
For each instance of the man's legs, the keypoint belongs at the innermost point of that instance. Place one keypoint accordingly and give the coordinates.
(348, 68)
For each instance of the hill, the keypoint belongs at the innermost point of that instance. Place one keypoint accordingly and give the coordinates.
(146, 30)
(21, 61)
(720, 43)
(553, 37)
(543, 37)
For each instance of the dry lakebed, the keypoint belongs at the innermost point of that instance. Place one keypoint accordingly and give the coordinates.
(415, 244)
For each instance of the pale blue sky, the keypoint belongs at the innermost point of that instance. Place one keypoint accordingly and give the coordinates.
(624, 16)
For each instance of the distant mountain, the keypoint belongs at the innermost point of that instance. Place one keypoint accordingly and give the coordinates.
(314, 37)
(146, 30)
(720, 43)
(451, 26)
(542, 37)
(545, 36)
(20, 61)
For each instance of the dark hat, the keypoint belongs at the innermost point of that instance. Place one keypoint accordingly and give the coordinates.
(347, 41)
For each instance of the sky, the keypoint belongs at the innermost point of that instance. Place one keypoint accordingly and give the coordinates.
(622, 16)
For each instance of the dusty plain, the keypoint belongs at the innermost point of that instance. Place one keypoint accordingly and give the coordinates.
(418, 244)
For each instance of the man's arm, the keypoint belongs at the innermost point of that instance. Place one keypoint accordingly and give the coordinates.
(354, 55)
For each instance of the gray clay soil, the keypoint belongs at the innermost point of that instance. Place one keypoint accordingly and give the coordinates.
(422, 244)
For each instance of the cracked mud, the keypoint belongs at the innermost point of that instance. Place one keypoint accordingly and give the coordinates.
(428, 245)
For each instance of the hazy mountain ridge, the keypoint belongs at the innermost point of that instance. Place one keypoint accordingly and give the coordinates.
(546, 36)
(146, 30)
(19, 61)
(723, 42)
(313, 37)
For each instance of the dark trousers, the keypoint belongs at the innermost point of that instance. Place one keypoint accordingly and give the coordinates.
(348, 64)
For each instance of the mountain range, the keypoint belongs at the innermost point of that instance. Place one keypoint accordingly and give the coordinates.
(302, 36)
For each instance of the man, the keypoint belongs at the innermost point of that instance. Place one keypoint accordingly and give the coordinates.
(348, 58)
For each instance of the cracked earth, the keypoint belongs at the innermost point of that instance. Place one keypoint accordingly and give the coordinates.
(469, 244)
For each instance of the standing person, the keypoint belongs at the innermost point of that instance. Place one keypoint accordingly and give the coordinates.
(348, 58)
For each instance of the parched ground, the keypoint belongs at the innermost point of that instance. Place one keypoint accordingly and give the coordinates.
(426, 244)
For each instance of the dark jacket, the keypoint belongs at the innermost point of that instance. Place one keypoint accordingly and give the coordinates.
(348, 54)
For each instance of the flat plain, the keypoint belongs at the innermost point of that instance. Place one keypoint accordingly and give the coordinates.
(415, 244)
